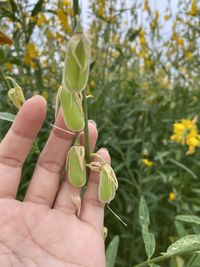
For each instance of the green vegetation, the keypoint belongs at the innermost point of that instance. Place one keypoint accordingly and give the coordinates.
(145, 87)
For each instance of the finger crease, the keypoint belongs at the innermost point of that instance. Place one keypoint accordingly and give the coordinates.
(50, 166)
(22, 135)
(11, 161)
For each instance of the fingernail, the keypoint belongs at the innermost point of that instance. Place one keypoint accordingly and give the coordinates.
(39, 96)
(105, 149)
(93, 122)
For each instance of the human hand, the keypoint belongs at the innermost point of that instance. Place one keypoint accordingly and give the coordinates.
(43, 230)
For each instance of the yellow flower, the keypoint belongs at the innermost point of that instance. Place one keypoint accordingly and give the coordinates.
(147, 162)
(41, 19)
(181, 42)
(185, 132)
(31, 53)
(142, 38)
(146, 6)
(189, 55)
(49, 34)
(63, 18)
(101, 11)
(166, 17)
(153, 25)
(60, 37)
(9, 66)
(172, 196)
(66, 2)
(193, 10)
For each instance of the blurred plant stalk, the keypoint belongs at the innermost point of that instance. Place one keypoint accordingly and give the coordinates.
(85, 109)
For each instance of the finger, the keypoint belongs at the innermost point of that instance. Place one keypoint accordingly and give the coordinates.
(68, 193)
(45, 181)
(92, 210)
(16, 145)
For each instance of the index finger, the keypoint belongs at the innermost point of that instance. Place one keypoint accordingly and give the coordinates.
(17, 143)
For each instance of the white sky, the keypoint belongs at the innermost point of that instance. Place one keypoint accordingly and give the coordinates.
(155, 4)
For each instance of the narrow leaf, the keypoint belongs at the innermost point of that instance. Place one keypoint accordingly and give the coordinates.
(149, 242)
(111, 252)
(194, 261)
(182, 166)
(180, 229)
(188, 218)
(186, 244)
(7, 116)
(149, 238)
(143, 212)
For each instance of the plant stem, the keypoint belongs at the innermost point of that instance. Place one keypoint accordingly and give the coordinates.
(76, 8)
(86, 130)
(3, 78)
(157, 259)
(85, 110)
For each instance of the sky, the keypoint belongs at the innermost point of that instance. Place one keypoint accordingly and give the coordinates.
(155, 4)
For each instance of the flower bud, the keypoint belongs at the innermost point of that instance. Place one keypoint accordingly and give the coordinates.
(108, 184)
(16, 94)
(77, 61)
(75, 165)
(72, 111)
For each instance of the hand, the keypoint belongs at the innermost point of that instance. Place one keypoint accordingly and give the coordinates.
(44, 231)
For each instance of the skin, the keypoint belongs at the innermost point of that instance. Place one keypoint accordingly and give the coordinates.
(44, 230)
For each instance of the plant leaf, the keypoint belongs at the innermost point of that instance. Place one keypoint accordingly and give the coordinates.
(184, 167)
(149, 238)
(188, 218)
(7, 116)
(186, 244)
(149, 242)
(111, 252)
(180, 229)
(194, 261)
(143, 212)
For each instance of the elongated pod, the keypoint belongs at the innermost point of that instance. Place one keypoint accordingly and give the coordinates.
(77, 61)
(71, 105)
(16, 94)
(108, 184)
(75, 165)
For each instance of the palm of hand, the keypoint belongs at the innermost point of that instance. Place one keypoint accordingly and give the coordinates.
(34, 235)
(44, 230)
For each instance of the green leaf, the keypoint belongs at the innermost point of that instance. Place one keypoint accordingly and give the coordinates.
(180, 229)
(149, 238)
(149, 242)
(194, 261)
(7, 116)
(188, 218)
(188, 243)
(185, 168)
(143, 212)
(111, 252)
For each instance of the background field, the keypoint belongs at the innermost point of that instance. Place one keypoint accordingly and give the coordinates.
(144, 78)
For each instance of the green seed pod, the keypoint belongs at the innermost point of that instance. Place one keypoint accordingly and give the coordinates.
(16, 94)
(75, 165)
(71, 105)
(108, 184)
(77, 61)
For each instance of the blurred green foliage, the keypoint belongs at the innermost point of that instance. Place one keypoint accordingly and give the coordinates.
(142, 81)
